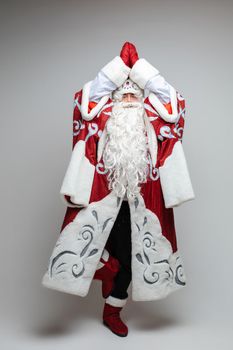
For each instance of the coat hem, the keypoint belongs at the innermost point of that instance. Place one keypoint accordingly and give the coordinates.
(159, 297)
(62, 287)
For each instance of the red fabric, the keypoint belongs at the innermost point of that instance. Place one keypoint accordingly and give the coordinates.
(106, 274)
(168, 106)
(69, 216)
(129, 54)
(91, 105)
(151, 190)
(111, 318)
(124, 54)
(68, 199)
(133, 55)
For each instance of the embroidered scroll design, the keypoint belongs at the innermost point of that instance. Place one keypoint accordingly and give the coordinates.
(153, 273)
(85, 236)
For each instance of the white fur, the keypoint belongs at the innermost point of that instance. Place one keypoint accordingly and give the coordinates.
(154, 100)
(142, 71)
(116, 70)
(80, 245)
(115, 301)
(152, 140)
(105, 257)
(174, 177)
(163, 112)
(79, 177)
(85, 102)
(161, 270)
(101, 144)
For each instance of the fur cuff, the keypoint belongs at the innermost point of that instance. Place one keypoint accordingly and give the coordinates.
(79, 177)
(115, 301)
(142, 71)
(175, 180)
(116, 70)
(162, 110)
(72, 205)
(85, 103)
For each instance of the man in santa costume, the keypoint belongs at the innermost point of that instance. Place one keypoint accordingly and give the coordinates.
(127, 172)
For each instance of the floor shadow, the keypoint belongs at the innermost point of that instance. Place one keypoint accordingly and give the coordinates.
(62, 313)
(149, 316)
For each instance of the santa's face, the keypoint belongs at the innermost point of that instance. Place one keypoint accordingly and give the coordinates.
(125, 153)
(129, 97)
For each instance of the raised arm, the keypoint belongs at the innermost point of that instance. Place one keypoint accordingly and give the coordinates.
(148, 77)
(170, 105)
(108, 79)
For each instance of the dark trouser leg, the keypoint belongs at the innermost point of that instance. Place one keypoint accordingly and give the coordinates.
(120, 237)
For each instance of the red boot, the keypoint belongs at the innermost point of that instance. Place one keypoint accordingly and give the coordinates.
(107, 273)
(111, 319)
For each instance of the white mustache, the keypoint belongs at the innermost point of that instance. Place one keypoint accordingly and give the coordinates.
(129, 104)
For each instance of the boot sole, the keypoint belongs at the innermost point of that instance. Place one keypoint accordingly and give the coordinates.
(120, 335)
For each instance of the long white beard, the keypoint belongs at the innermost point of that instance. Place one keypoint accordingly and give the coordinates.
(125, 153)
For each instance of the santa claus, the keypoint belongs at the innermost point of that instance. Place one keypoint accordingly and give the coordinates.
(127, 172)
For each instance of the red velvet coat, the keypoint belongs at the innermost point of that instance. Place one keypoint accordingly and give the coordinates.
(157, 267)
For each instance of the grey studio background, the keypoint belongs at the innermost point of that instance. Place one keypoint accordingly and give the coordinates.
(49, 49)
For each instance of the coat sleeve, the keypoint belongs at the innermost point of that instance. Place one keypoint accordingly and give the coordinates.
(169, 106)
(77, 183)
(149, 78)
(173, 169)
(98, 91)
(109, 78)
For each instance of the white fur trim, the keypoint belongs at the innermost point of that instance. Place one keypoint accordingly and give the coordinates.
(152, 140)
(157, 104)
(85, 102)
(67, 287)
(66, 202)
(78, 249)
(100, 264)
(79, 177)
(105, 255)
(157, 271)
(115, 301)
(116, 70)
(142, 71)
(101, 144)
(175, 180)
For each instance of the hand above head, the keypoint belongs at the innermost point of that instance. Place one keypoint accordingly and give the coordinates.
(133, 54)
(124, 54)
(129, 54)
